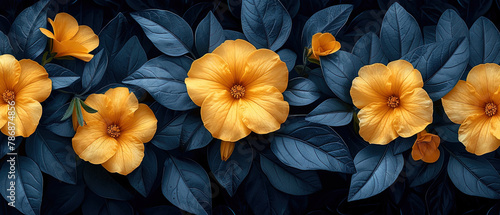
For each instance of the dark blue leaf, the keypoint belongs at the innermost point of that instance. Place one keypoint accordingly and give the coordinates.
(474, 176)
(186, 185)
(25, 36)
(101, 183)
(197, 12)
(289, 57)
(265, 23)
(377, 168)
(331, 112)
(451, 26)
(163, 77)
(130, 58)
(339, 69)
(27, 190)
(308, 146)
(94, 70)
(292, 6)
(440, 197)
(234, 35)
(168, 133)
(235, 7)
(63, 198)
(329, 20)
(290, 180)
(53, 154)
(60, 76)
(316, 75)
(209, 34)
(400, 33)
(95, 205)
(413, 205)
(261, 196)
(161, 210)
(194, 134)
(301, 91)
(401, 144)
(369, 50)
(484, 42)
(168, 31)
(445, 128)
(441, 65)
(143, 178)
(5, 47)
(114, 35)
(429, 34)
(419, 172)
(232, 172)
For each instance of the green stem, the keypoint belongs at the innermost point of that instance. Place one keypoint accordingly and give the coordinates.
(45, 60)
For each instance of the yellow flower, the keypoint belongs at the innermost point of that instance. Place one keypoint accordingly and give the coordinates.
(239, 90)
(226, 149)
(391, 100)
(115, 135)
(426, 147)
(474, 105)
(322, 44)
(24, 84)
(69, 39)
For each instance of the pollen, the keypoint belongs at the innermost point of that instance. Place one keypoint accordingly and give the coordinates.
(237, 91)
(114, 131)
(490, 109)
(8, 96)
(393, 101)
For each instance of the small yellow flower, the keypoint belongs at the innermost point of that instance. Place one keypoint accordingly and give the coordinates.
(426, 147)
(322, 44)
(239, 90)
(474, 105)
(69, 39)
(226, 149)
(24, 84)
(391, 100)
(115, 135)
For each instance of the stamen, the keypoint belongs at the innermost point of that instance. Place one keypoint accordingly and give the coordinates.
(393, 101)
(8, 96)
(490, 109)
(237, 91)
(114, 131)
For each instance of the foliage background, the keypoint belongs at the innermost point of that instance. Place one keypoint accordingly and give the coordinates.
(88, 189)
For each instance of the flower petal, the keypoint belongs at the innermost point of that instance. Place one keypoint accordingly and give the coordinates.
(475, 133)
(220, 115)
(371, 85)
(142, 125)
(264, 68)
(34, 81)
(123, 104)
(4, 109)
(375, 123)
(47, 33)
(414, 113)
(92, 143)
(128, 156)
(28, 114)
(10, 70)
(86, 37)
(102, 104)
(462, 101)
(485, 78)
(208, 74)
(65, 26)
(235, 53)
(68, 48)
(404, 77)
(263, 109)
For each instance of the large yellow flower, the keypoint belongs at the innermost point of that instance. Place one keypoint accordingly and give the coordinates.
(239, 90)
(115, 135)
(69, 39)
(391, 100)
(24, 84)
(474, 105)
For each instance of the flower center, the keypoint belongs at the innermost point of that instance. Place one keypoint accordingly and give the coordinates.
(8, 96)
(490, 109)
(114, 131)
(237, 91)
(393, 101)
